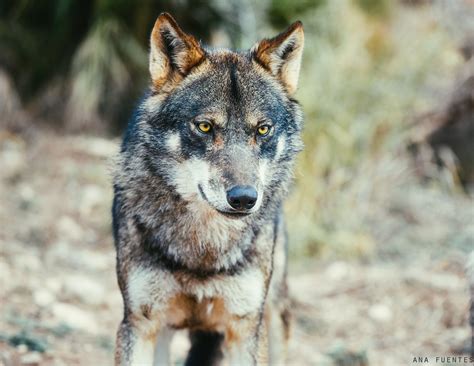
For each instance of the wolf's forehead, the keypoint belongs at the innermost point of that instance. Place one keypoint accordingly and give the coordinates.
(234, 89)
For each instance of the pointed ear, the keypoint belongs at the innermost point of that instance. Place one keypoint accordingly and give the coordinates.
(171, 50)
(281, 55)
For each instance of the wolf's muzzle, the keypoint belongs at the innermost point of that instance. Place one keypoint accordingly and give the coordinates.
(242, 197)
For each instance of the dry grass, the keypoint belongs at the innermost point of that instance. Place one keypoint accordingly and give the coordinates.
(102, 73)
(364, 78)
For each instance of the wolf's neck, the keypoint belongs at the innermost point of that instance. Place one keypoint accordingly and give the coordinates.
(192, 235)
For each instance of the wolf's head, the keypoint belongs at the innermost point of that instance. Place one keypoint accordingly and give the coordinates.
(222, 127)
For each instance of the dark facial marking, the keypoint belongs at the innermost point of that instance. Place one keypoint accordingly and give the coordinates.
(234, 84)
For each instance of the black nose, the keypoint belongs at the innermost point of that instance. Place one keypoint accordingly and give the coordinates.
(242, 197)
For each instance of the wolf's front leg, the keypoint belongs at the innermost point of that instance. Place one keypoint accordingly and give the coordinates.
(135, 343)
(134, 346)
(246, 342)
(163, 347)
(277, 322)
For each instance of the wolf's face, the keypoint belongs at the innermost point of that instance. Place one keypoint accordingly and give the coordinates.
(223, 124)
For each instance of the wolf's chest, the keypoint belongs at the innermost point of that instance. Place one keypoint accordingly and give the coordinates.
(185, 311)
(188, 302)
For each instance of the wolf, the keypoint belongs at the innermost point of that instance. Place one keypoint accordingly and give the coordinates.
(202, 173)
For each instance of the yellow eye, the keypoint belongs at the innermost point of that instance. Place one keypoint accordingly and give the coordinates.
(204, 127)
(263, 130)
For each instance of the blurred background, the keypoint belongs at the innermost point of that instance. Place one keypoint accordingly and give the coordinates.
(381, 218)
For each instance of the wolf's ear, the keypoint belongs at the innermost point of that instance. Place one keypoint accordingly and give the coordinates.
(171, 50)
(281, 55)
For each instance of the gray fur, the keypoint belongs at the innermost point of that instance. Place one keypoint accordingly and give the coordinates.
(185, 257)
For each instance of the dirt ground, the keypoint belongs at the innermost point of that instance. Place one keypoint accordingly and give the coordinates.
(60, 304)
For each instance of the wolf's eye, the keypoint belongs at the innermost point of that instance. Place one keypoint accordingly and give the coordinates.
(263, 130)
(204, 127)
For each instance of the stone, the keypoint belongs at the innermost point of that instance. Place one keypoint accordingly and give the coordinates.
(86, 289)
(43, 297)
(68, 228)
(75, 317)
(92, 196)
(381, 313)
(31, 358)
(338, 270)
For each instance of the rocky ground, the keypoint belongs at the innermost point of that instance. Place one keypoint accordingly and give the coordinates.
(60, 305)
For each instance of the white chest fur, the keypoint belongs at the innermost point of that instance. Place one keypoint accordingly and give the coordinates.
(154, 289)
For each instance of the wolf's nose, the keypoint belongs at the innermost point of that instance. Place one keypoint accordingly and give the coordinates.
(242, 197)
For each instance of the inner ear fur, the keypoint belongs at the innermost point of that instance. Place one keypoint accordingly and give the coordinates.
(173, 53)
(281, 55)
